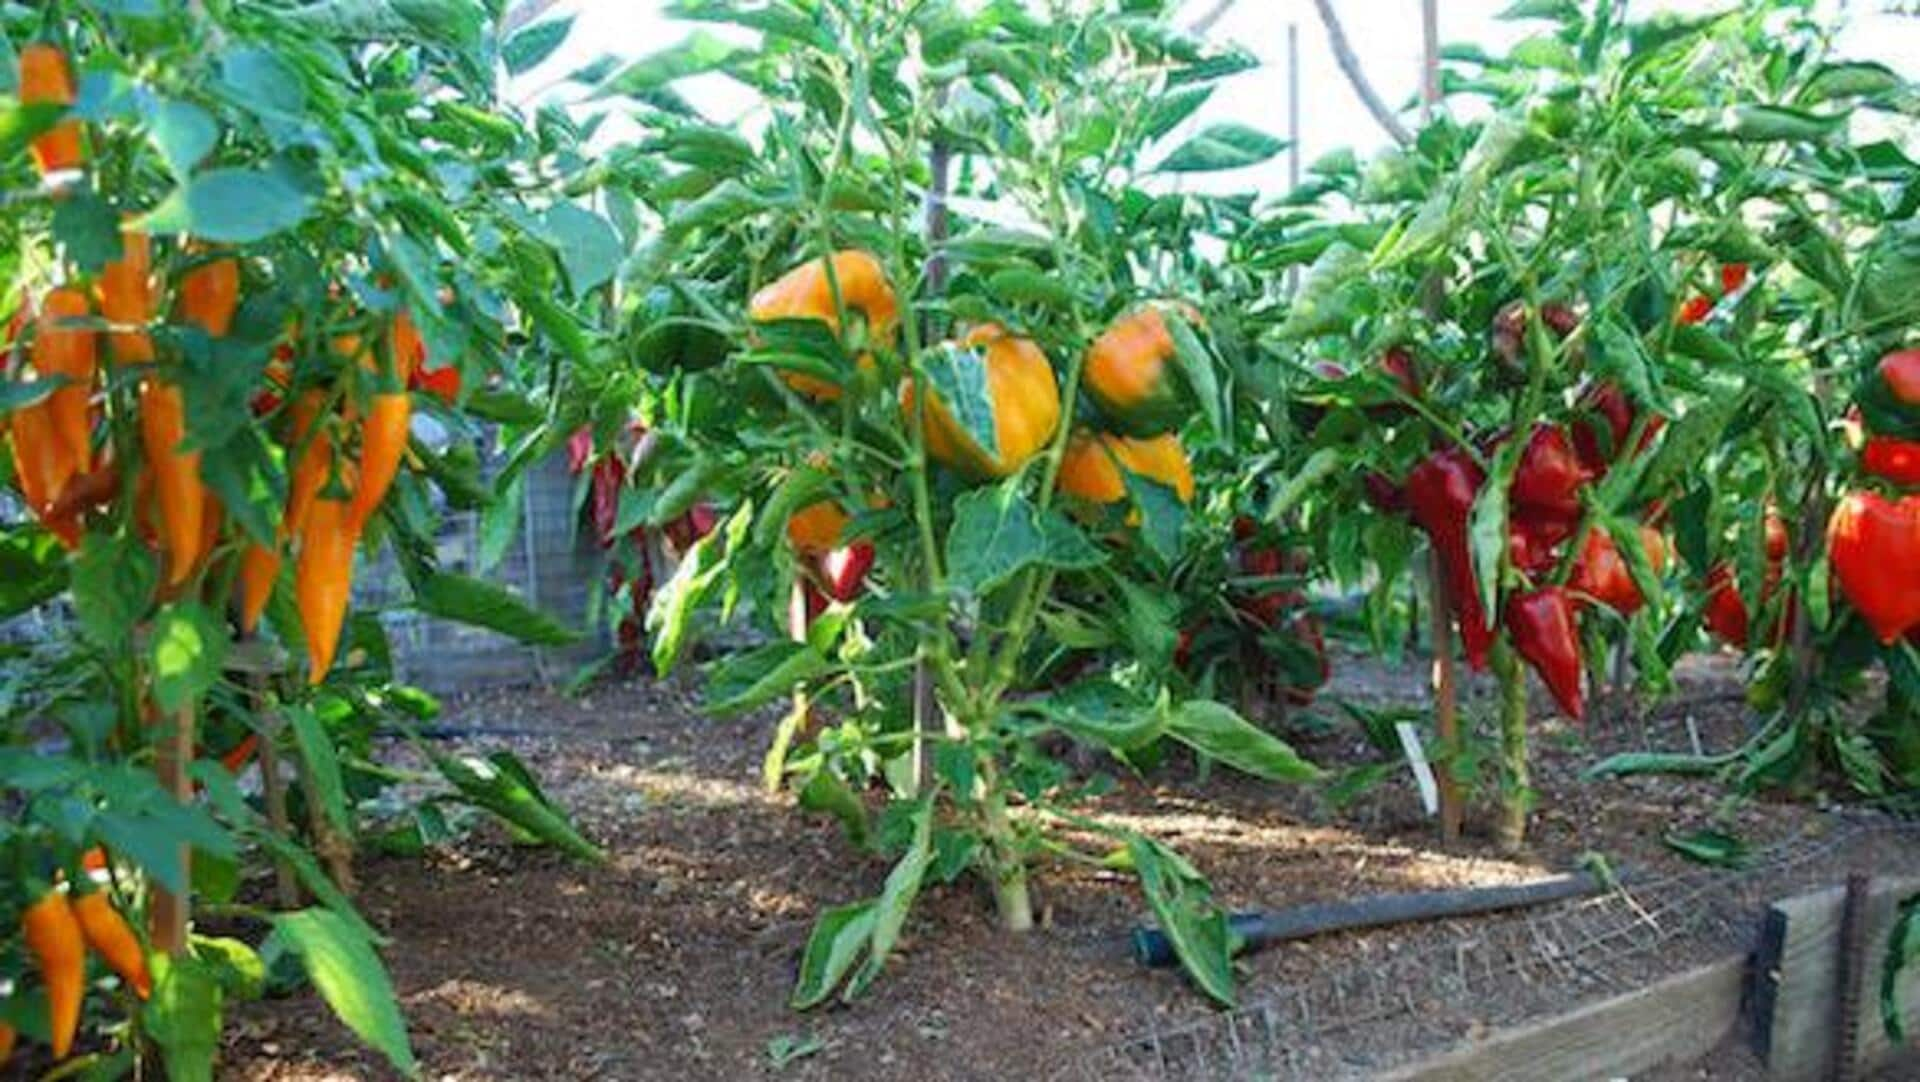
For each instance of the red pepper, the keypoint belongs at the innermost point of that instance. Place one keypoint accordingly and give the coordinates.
(1901, 371)
(1695, 310)
(1383, 494)
(698, 521)
(1617, 412)
(1546, 635)
(1547, 482)
(1601, 571)
(1531, 549)
(579, 449)
(1874, 544)
(442, 383)
(1732, 277)
(845, 569)
(1244, 528)
(1509, 332)
(1892, 459)
(1440, 494)
(1725, 614)
(805, 604)
(608, 479)
(1397, 363)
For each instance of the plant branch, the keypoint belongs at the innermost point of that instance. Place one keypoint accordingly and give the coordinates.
(1350, 64)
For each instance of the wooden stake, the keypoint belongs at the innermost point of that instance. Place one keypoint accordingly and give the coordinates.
(169, 914)
(1446, 720)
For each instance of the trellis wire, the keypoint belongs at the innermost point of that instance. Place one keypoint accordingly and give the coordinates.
(1401, 1005)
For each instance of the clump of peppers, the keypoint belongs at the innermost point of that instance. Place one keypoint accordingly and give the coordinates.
(43, 464)
(1440, 492)
(1545, 634)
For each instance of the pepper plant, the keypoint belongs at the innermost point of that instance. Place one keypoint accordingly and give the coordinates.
(1608, 311)
(949, 432)
(247, 244)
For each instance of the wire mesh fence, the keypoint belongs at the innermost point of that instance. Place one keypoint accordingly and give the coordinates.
(1356, 1021)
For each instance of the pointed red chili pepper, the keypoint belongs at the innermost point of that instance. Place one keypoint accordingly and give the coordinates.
(1546, 635)
(1547, 482)
(1440, 494)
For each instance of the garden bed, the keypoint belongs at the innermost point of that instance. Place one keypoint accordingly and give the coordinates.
(676, 959)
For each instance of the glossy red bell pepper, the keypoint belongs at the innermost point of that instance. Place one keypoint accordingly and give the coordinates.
(1545, 634)
(1440, 494)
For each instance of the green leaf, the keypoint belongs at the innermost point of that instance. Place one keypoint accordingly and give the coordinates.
(1326, 301)
(838, 938)
(230, 206)
(826, 792)
(1219, 732)
(479, 603)
(183, 1015)
(996, 534)
(1851, 79)
(743, 681)
(19, 394)
(1103, 713)
(958, 376)
(1903, 947)
(895, 901)
(1715, 847)
(33, 570)
(235, 966)
(1169, 109)
(588, 247)
(87, 228)
(1487, 527)
(702, 52)
(343, 967)
(1629, 763)
(1025, 285)
(525, 50)
(503, 785)
(323, 766)
(1222, 146)
(1318, 467)
(1183, 904)
(670, 616)
(186, 650)
(112, 580)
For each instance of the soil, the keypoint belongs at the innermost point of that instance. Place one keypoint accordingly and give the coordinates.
(675, 960)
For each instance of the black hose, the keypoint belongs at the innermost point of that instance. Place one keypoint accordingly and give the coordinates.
(1257, 929)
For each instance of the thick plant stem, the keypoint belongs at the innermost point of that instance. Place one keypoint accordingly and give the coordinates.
(1515, 794)
(1006, 868)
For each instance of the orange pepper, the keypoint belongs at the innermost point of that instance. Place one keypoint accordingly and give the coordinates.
(125, 289)
(106, 931)
(209, 295)
(63, 350)
(383, 439)
(47, 79)
(259, 570)
(176, 478)
(323, 581)
(53, 936)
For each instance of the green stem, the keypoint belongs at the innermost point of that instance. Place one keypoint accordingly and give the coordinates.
(1516, 795)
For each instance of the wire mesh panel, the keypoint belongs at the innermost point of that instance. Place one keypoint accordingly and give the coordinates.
(1539, 961)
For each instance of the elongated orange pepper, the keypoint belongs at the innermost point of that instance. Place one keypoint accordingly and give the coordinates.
(383, 440)
(47, 79)
(176, 477)
(210, 294)
(7, 1037)
(312, 460)
(60, 349)
(54, 938)
(107, 932)
(323, 581)
(125, 289)
(259, 570)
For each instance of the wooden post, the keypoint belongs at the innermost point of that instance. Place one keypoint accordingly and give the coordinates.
(1802, 976)
(169, 914)
(1446, 711)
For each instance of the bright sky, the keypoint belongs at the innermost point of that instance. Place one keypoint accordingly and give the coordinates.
(1385, 35)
